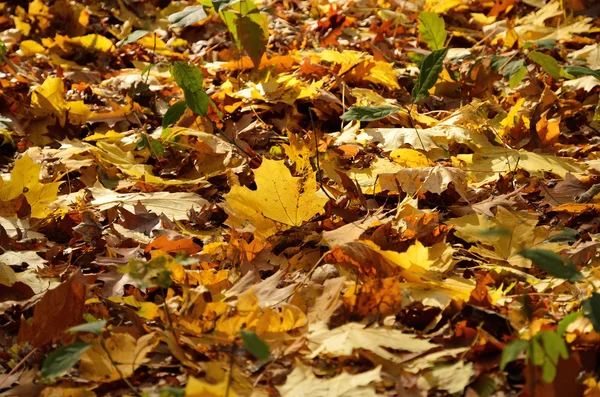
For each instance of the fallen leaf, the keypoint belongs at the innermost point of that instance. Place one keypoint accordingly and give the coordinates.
(280, 201)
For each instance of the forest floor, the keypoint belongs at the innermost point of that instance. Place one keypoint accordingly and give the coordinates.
(292, 198)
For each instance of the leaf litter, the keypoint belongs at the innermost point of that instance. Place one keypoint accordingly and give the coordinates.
(239, 198)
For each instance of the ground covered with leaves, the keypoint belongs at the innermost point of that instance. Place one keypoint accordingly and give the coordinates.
(290, 198)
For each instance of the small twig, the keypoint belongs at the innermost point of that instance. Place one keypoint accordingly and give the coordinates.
(168, 314)
(231, 363)
(12, 371)
(319, 176)
(114, 363)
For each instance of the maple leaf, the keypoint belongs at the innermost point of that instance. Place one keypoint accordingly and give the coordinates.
(122, 349)
(25, 180)
(279, 202)
(504, 235)
(343, 340)
(302, 382)
(48, 99)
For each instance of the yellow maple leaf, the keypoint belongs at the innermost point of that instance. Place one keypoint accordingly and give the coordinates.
(94, 42)
(127, 352)
(410, 158)
(199, 388)
(25, 180)
(299, 152)
(48, 100)
(279, 202)
(264, 321)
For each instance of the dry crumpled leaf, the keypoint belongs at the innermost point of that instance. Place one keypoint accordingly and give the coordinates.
(264, 321)
(127, 352)
(302, 382)
(279, 202)
(452, 378)
(342, 341)
(174, 205)
(432, 179)
(506, 233)
(487, 163)
(58, 310)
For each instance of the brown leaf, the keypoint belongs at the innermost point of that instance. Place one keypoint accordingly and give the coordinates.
(58, 310)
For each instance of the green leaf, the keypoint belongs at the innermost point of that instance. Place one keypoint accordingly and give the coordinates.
(511, 351)
(189, 16)
(3, 50)
(368, 113)
(252, 39)
(485, 385)
(240, 9)
(433, 30)
(132, 37)
(552, 263)
(565, 235)
(554, 348)
(429, 73)
(63, 359)
(189, 78)
(498, 62)
(554, 345)
(582, 71)
(517, 77)
(565, 322)
(169, 391)
(255, 345)
(591, 310)
(513, 67)
(174, 113)
(548, 64)
(95, 328)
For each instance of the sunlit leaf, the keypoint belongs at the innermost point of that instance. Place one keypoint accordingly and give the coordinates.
(433, 30)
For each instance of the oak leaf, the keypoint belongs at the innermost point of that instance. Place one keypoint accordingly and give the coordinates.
(280, 201)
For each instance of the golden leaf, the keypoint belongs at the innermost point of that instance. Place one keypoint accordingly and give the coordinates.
(199, 388)
(279, 202)
(48, 100)
(127, 352)
(25, 180)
